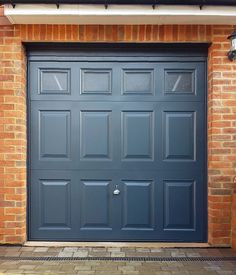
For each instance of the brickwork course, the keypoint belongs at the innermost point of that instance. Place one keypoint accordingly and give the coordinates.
(221, 115)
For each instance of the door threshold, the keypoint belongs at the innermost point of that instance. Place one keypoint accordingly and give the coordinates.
(118, 244)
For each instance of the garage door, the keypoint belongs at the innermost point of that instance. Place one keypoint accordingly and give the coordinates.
(117, 145)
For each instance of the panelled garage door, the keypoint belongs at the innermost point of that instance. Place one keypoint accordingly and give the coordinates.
(117, 145)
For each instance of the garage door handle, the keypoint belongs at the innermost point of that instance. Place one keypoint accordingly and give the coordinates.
(116, 191)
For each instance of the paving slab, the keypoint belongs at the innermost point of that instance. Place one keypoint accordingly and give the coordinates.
(115, 267)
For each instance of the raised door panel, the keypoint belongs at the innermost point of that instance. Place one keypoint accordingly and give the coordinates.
(179, 205)
(55, 198)
(95, 132)
(138, 205)
(181, 200)
(55, 131)
(179, 135)
(95, 205)
(53, 211)
(54, 135)
(98, 133)
(182, 136)
(137, 135)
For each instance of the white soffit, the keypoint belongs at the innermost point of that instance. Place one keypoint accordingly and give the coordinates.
(119, 14)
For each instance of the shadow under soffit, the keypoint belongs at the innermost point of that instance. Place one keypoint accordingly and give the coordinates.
(123, 48)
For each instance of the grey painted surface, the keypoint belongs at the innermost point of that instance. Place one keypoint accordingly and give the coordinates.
(135, 126)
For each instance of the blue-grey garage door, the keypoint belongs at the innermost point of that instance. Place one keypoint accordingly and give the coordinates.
(117, 145)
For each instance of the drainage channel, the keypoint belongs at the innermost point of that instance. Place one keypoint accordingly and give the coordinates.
(128, 259)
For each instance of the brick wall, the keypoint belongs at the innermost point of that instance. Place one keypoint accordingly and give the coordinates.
(234, 218)
(12, 138)
(221, 115)
(3, 19)
(221, 137)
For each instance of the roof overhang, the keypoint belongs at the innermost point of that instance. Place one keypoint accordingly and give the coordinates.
(125, 2)
(119, 14)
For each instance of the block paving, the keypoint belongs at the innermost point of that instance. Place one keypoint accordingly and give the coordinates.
(106, 267)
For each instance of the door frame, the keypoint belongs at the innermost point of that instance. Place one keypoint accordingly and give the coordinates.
(164, 51)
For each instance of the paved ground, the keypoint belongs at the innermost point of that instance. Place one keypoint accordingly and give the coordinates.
(87, 267)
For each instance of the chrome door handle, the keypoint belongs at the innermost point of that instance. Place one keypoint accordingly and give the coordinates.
(116, 191)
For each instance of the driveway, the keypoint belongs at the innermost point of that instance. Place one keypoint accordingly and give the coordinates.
(115, 260)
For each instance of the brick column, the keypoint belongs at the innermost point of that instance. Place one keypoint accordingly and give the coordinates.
(221, 137)
(234, 217)
(12, 137)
